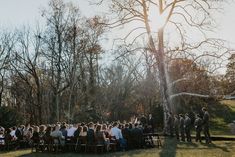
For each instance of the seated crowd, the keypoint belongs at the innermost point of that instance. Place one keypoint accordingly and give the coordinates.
(113, 136)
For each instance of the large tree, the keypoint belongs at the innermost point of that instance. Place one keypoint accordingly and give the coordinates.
(184, 18)
(230, 75)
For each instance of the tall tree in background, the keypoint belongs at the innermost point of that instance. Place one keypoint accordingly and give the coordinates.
(230, 75)
(73, 48)
(7, 43)
(57, 21)
(57, 73)
(185, 16)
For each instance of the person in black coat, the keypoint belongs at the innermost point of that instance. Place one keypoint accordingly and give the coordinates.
(187, 127)
(206, 118)
(170, 123)
(126, 135)
(181, 127)
(176, 126)
(198, 128)
(151, 122)
(90, 134)
(137, 136)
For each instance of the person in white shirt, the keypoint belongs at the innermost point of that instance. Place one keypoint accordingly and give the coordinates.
(58, 133)
(13, 132)
(115, 131)
(71, 130)
(2, 137)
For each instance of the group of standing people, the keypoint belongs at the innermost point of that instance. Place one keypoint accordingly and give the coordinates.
(180, 126)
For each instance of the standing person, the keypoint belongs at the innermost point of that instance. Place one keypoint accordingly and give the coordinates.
(206, 118)
(176, 126)
(182, 133)
(170, 124)
(198, 127)
(151, 122)
(187, 124)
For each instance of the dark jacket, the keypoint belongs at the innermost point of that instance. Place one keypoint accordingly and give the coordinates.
(206, 118)
(151, 122)
(19, 134)
(176, 123)
(187, 122)
(90, 136)
(181, 123)
(198, 124)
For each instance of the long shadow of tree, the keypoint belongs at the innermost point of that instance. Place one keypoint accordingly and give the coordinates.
(169, 148)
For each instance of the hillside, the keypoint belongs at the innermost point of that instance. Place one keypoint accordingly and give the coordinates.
(223, 114)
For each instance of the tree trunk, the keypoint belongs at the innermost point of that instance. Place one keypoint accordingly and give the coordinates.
(159, 56)
(162, 75)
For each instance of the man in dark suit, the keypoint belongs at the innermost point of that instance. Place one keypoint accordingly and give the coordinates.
(90, 134)
(182, 133)
(151, 122)
(187, 127)
(176, 126)
(170, 123)
(198, 127)
(137, 136)
(206, 118)
(19, 133)
(126, 135)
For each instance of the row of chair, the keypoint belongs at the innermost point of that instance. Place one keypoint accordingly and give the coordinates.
(71, 144)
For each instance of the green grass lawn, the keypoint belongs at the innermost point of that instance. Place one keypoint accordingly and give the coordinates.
(222, 114)
(171, 148)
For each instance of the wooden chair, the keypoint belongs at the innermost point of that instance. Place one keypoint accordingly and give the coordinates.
(113, 143)
(55, 144)
(90, 148)
(99, 146)
(38, 145)
(81, 144)
(48, 142)
(159, 142)
(9, 145)
(2, 143)
(34, 145)
(70, 143)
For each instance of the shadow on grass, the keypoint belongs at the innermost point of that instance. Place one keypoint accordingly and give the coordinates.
(132, 153)
(169, 148)
(212, 146)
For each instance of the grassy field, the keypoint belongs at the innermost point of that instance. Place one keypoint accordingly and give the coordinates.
(171, 148)
(222, 114)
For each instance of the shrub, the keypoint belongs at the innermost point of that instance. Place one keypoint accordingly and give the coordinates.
(9, 117)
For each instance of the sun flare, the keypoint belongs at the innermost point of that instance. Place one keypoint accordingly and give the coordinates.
(157, 20)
